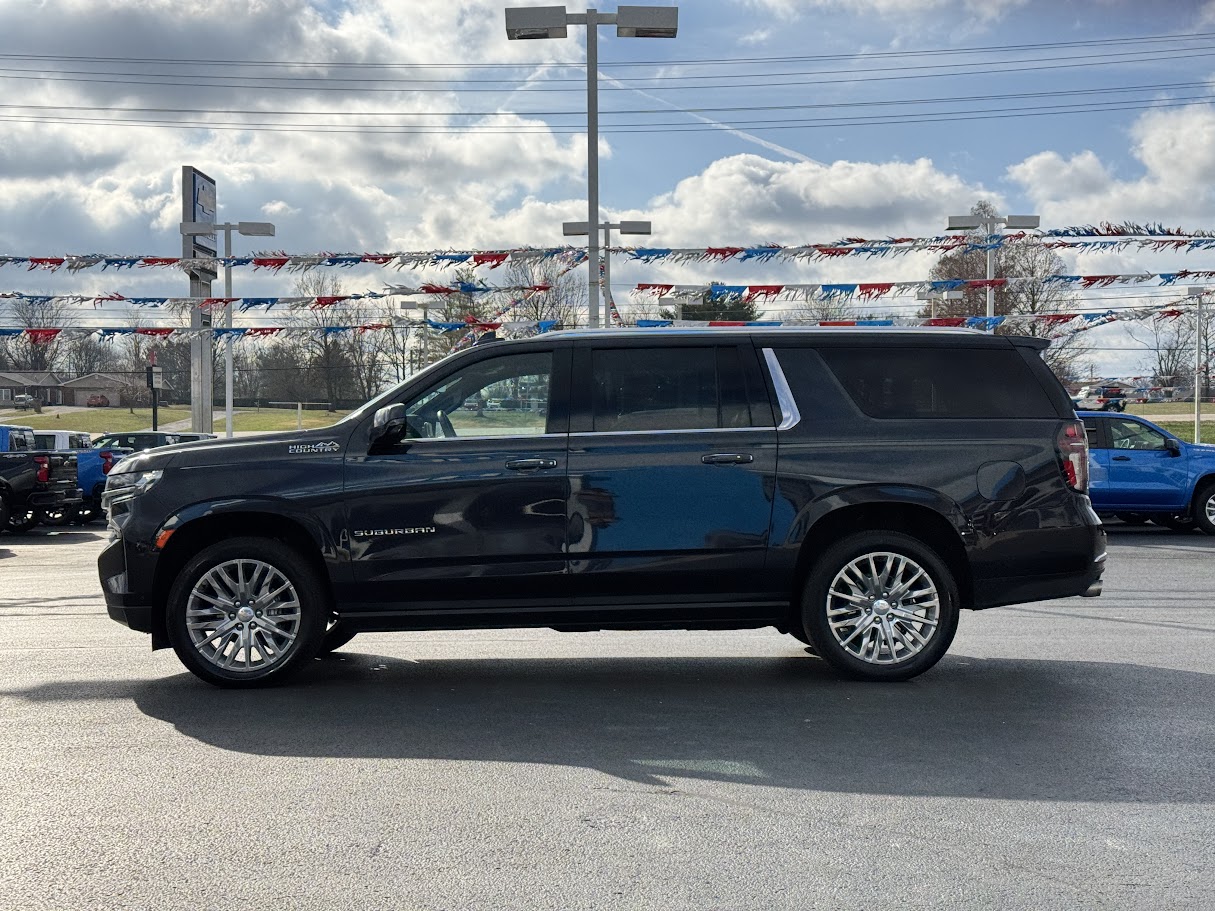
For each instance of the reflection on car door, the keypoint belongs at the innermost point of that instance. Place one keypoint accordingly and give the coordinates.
(672, 464)
(469, 509)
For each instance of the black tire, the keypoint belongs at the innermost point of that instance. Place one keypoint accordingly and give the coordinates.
(4, 513)
(287, 656)
(1176, 523)
(22, 520)
(816, 602)
(86, 515)
(336, 635)
(1204, 508)
(59, 516)
(1132, 518)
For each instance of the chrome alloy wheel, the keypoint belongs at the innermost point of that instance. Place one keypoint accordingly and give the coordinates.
(883, 608)
(1208, 507)
(243, 615)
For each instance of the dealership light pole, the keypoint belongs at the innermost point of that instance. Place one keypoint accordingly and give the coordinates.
(580, 228)
(992, 225)
(530, 22)
(246, 229)
(934, 296)
(1198, 294)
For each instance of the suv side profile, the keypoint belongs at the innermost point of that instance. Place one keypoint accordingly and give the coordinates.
(855, 489)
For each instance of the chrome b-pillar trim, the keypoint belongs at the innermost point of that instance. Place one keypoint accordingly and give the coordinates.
(790, 416)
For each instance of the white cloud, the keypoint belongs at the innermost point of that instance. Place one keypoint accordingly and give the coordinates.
(1176, 149)
(982, 10)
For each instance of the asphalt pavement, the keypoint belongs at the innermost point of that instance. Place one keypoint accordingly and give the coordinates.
(1059, 757)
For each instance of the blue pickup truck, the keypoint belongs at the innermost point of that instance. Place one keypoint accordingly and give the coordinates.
(1139, 472)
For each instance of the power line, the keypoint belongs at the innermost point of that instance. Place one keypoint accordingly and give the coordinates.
(1010, 67)
(713, 61)
(955, 99)
(670, 127)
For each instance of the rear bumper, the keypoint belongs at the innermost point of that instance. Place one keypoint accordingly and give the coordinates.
(52, 498)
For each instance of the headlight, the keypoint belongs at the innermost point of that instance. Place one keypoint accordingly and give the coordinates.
(121, 486)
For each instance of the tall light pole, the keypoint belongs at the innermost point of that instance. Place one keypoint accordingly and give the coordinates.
(531, 22)
(1198, 294)
(246, 229)
(580, 228)
(992, 225)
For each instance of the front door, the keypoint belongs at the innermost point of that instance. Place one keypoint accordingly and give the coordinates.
(672, 468)
(1143, 474)
(467, 511)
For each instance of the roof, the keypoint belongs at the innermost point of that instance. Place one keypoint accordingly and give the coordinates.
(91, 379)
(823, 331)
(31, 378)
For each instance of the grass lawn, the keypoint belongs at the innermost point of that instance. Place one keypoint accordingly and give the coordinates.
(1166, 408)
(116, 420)
(93, 420)
(276, 419)
(1185, 431)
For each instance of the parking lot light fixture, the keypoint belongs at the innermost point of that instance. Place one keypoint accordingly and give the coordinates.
(933, 296)
(1198, 294)
(532, 22)
(991, 225)
(580, 228)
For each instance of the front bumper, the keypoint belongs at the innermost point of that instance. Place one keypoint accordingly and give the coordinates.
(133, 609)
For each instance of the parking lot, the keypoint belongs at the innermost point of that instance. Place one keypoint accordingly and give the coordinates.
(1059, 757)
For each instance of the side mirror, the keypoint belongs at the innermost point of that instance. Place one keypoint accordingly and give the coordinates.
(1172, 446)
(388, 424)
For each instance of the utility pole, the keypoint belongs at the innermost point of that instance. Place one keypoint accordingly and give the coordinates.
(1199, 351)
(990, 226)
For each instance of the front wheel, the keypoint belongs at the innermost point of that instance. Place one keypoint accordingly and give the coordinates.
(880, 605)
(1204, 509)
(246, 612)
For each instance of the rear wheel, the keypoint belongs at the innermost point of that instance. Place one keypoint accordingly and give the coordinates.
(880, 605)
(1204, 508)
(60, 516)
(246, 612)
(4, 513)
(1177, 523)
(22, 519)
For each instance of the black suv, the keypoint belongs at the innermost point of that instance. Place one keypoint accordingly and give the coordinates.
(853, 488)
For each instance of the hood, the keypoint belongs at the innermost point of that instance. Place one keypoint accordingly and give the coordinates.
(269, 447)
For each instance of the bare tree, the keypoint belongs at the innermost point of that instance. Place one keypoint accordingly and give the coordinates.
(24, 354)
(564, 302)
(1026, 259)
(1170, 344)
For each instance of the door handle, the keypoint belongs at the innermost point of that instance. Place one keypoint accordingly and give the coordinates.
(1120, 458)
(530, 464)
(727, 458)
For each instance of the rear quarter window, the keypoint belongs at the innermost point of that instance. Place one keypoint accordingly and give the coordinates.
(939, 382)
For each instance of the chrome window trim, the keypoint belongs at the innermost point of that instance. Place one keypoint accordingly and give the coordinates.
(620, 433)
(790, 416)
(504, 436)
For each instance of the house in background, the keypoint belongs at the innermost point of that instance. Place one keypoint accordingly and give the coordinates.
(119, 390)
(42, 385)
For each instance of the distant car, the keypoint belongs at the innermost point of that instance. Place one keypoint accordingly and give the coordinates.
(137, 441)
(1100, 398)
(1140, 471)
(194, 437)
(24, 402)
(97, 401)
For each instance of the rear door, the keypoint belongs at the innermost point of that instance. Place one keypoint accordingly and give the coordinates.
(672, 465)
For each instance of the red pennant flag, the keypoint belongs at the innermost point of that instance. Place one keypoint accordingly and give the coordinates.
(436, 289)
(378, 259)
(263, 331)
(158, 333)
(837, 322)
(722, 253)
(329, 301)
(947, 321)
(50, 263)
(869, 292)
(42, 336)
(159, 261)
(987, 283)
(494, 260)
(274, 263)
(650, 286)
(754, 291)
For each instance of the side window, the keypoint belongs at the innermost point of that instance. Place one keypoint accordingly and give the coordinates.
(18, 442)
(1093, 431)
(939, 382)
(1133, 435)
(44, 441)
(499, 396)
(658, 389)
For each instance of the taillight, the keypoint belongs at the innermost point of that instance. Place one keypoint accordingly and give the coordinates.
(1072, 444)
(44, 468)
(107, 461)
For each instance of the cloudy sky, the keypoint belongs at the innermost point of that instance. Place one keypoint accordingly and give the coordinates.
(388, 125)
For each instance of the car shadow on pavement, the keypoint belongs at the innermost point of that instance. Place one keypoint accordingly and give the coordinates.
(56, 536)
(990, 728)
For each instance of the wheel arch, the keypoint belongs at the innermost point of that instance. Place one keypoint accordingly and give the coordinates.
(199, 527)
(936, 524)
